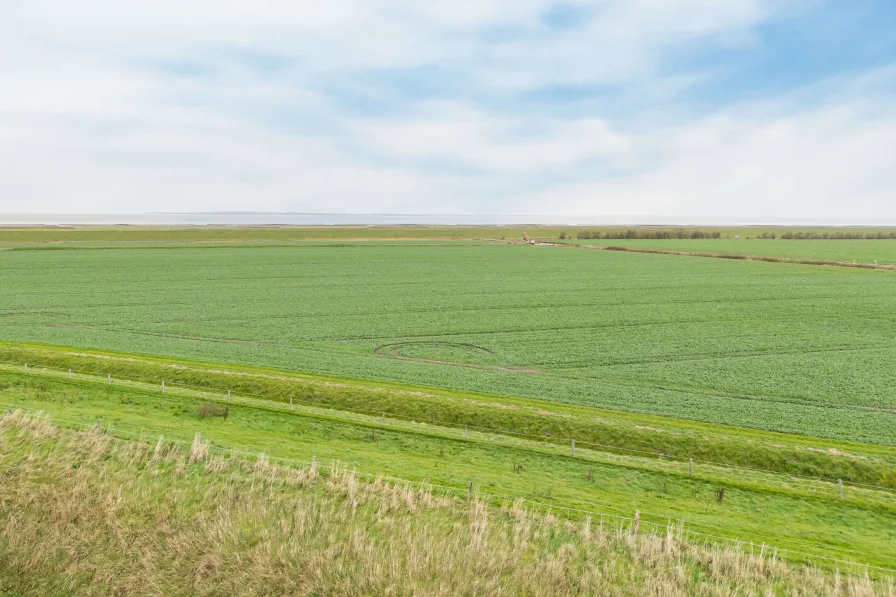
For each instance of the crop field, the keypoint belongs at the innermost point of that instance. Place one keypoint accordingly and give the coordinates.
(205, 393)
(862, 251)
(783, 347)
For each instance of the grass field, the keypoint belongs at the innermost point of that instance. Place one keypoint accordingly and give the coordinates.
(862, 251)
(801, 349)
(748, 404)
(173, 520)
(802, 516)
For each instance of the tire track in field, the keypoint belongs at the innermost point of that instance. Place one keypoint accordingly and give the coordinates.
(743, 397)
(557, 369)
(556, 373)
(494, 307)
(733, 356)
(393, 351)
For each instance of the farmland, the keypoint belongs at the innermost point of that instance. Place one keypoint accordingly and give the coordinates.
(748, 406)
(862, 251)
(63, 235)
(800, 349)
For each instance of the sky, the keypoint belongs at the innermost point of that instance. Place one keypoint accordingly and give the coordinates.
(731, 111)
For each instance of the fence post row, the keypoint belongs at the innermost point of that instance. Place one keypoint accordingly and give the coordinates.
(572, 442)
(635, 521)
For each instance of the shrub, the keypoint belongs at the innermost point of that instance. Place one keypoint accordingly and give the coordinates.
(212, 409)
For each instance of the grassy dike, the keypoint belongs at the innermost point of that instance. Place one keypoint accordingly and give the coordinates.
(87, 514)
(752, 508)
(608, 431)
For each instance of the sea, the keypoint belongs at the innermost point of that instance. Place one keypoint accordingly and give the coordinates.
(348, 219)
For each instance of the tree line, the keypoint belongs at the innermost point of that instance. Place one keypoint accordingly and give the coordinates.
(648, 234)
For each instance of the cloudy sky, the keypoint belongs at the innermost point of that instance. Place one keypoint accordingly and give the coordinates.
(727, 110)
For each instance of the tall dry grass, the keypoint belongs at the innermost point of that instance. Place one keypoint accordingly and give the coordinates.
(85, 514)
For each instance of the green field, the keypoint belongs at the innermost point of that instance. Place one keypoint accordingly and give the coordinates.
(800, 515)
(748, 403)
(862, 251)
(88, 514)
(795, 348)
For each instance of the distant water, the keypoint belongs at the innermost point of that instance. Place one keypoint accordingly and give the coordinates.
(322, 219)
(284, 219)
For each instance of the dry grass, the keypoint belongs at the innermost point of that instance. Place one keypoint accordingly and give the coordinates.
(212, 409)
(86, 514)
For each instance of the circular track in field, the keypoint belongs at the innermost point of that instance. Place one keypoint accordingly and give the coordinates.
(446, 353)
(400, 350)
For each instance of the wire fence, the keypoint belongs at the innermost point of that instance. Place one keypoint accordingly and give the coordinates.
(764, 544)
(839, 484)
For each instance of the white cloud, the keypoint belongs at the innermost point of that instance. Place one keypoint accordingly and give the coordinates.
(622, 35)
(495, 144)
(98, 118)
(169, 166)
(827, 163)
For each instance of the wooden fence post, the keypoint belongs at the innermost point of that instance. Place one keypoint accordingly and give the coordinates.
(26, 366)
(69, 373)
(98, 425)
(290, 404)
(383, 416)
(840, 487)
(163, 386)
(228, 395)
(469, 490)
(110, 379)
(636, 521)
(573, 447)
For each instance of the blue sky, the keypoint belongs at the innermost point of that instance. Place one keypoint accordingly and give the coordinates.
(740, 110)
